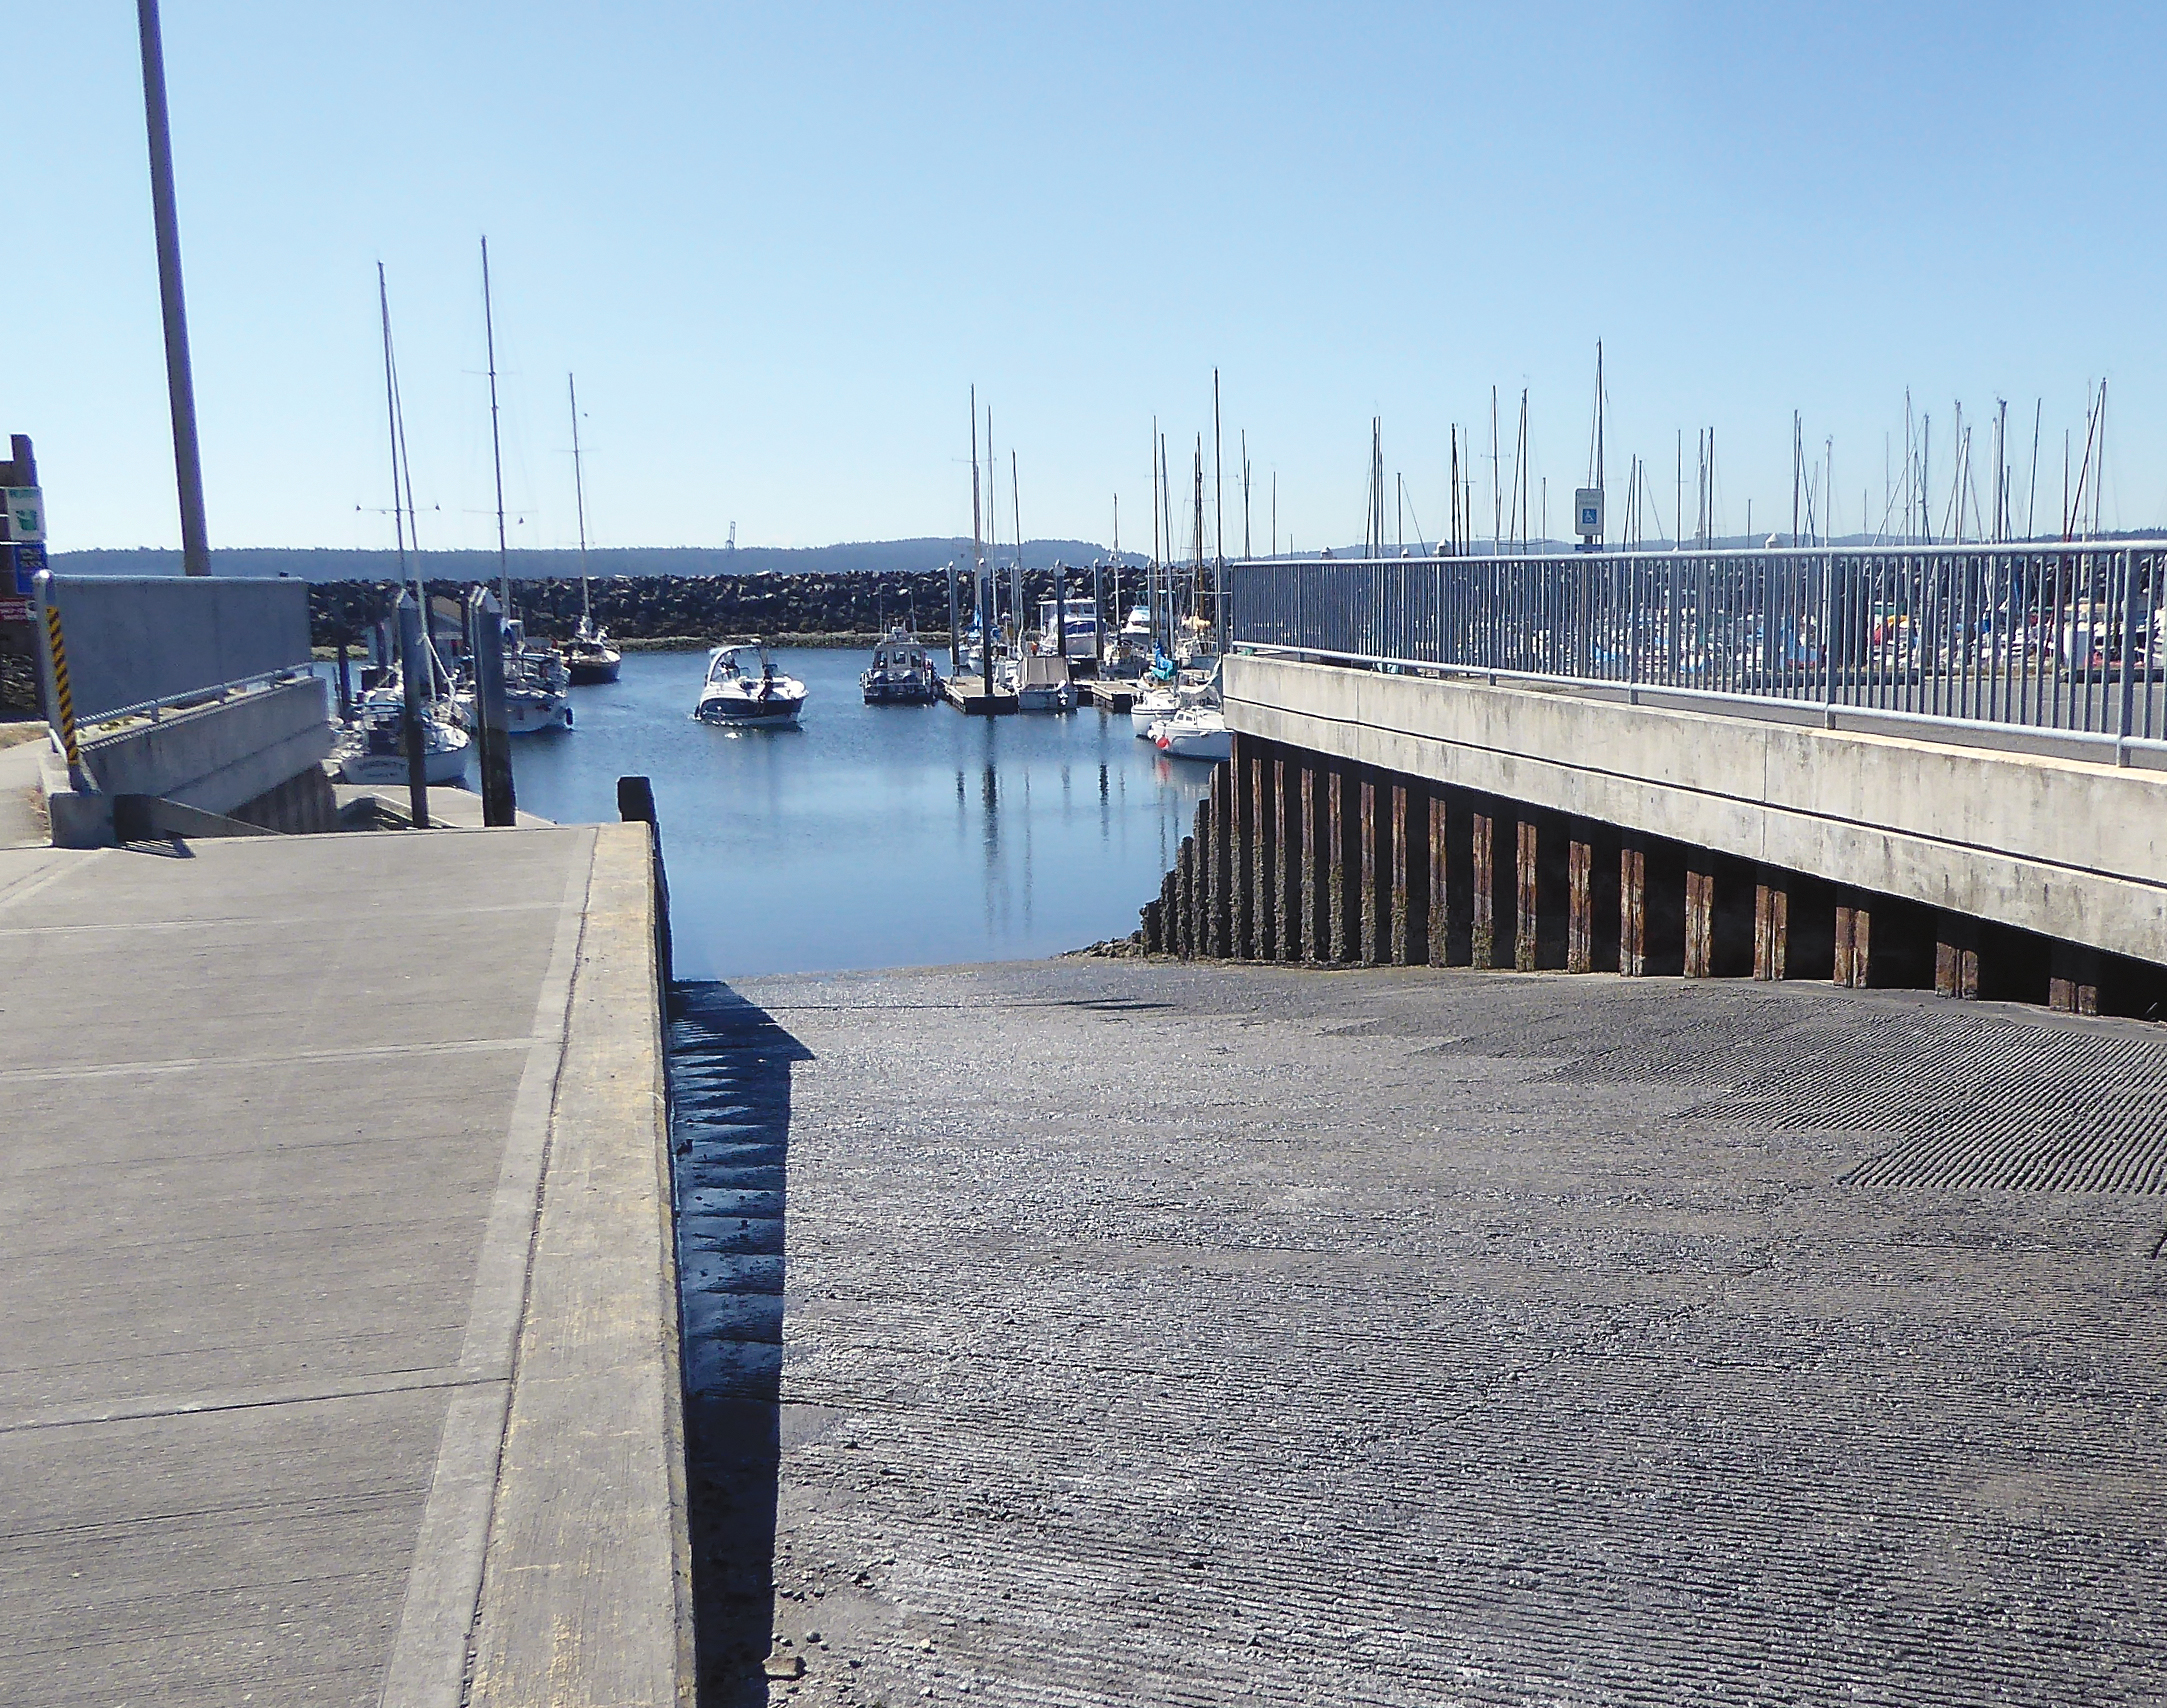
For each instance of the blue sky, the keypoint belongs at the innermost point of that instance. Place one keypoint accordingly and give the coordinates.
(779, 243)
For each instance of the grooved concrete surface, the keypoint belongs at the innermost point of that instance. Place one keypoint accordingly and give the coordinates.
(1161, 1334)
(273, 1120)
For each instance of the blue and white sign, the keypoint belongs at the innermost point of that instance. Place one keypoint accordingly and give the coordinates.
(25, 515)
(1588, 512)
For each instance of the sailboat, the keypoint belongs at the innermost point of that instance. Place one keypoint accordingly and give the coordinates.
(371, 748)
(537, 685)
(588, 657)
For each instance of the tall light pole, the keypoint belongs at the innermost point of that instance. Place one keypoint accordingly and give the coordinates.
(180, 382)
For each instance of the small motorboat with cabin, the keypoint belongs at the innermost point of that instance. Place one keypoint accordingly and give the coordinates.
(1039, 680)
(901, 673)
(1072, 627)
(744, 689)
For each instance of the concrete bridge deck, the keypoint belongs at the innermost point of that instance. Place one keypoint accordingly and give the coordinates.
(340, 1351)
(1207, 1335)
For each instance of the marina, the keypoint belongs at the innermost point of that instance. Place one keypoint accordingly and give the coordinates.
(638, 1072)
(872, 835)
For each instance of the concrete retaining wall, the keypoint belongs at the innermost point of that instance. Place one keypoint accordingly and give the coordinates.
(2067, 850)
(221, 757)
(131, 639)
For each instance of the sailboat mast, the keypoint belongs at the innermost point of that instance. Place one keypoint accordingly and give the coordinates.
(1119, 614)
(1015, 600)
(579, 502)
(978, 555)
(1151, 570)
(391, 421)
(1218, 525)
(496, 440)
(1247, 550)
(1196, 561)
(1166, 501)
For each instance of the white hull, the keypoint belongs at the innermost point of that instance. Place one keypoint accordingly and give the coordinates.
(439, 770)
(525, 715)
(444, 761)
(1197, 744)
(739, 714)
(1147, 713)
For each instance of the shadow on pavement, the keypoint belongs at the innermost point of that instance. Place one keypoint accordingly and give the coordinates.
(729, 1081)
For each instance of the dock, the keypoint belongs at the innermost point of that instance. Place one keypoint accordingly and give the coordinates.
(969, 695)
(1109, 693)
(342, 1342)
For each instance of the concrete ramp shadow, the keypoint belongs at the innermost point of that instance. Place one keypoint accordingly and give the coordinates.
(729, 1086)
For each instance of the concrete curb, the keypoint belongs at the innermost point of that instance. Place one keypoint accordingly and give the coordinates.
(587, 1586)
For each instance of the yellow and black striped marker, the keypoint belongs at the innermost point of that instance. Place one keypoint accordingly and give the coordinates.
(61, 691)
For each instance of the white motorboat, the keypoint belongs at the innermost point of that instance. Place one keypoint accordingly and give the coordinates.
(371, 748)
(744, 689)
(1073, 628)
(1040, 681)
(1196, 732)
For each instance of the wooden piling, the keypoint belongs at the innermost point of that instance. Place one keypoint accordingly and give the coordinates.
(1263, 855)
(1374, 910)
(1700, 911)
(1287, 839)
(1340, 855)
(1316, 860)
(1956, 957)
(1854, 947)
(2072, 979)
(1219, 923)
(1440, 887)
(1771, 931)
(1633, 911)
(1409, 821)
(1482, 865)
(1580, 908)
(1185, 900)
(1527, 896)
(1241, 849)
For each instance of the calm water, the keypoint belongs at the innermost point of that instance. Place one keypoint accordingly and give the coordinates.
(875, 835)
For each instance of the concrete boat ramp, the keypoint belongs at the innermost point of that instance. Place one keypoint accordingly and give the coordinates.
(1078, 1334)
(340, 1354)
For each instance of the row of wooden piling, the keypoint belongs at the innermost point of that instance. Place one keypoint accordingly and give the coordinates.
(1301, 857)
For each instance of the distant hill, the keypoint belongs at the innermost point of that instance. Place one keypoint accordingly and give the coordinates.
(873, 557)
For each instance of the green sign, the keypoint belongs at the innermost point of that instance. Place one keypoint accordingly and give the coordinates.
(25, 515)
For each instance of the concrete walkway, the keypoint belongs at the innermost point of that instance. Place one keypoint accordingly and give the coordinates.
(22, 800)
(1159, 1334)
(340, 1361)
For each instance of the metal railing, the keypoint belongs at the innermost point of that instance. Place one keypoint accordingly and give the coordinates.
(2069, 638)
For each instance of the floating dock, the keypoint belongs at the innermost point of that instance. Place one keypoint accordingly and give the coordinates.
(1109, 693)
(968, 695)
